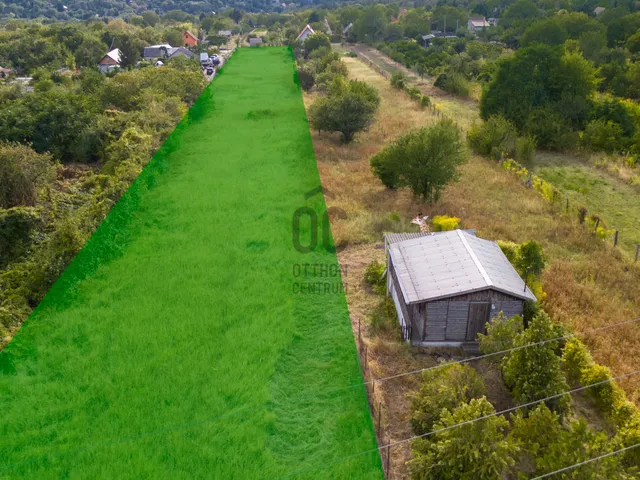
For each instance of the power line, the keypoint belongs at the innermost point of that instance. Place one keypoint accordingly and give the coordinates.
(579, 464)
(254, 409)
(467, 422)
(488, 355)
(543, 342)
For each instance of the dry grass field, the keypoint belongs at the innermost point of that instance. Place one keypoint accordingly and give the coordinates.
(588, 283)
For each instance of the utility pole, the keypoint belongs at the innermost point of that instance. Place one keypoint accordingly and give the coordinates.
(445, 25)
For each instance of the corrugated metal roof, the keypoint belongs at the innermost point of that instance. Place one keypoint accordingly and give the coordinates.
(446, 264)
(390, 238)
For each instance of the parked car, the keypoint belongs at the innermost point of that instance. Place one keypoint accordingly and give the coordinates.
(210, 71)
(215, 60)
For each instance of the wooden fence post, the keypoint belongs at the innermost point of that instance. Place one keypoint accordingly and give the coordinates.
(637, 252)
(379, 411)
(595, 229)
(359, 338)
(567, 207)
(365, 360)
(615, 239)
(388, 456)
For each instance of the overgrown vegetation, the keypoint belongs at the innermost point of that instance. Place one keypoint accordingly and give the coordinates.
(70, 148)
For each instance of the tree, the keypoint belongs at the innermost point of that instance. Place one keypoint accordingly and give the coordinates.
(371, 25)
(90, 51)
(548, 446)
(52, 121)
(448, 18)
(547, 31)
(306, 79)
(531, 259)
(477, 450)
(22, 173)
(150, 18)
(349, 108)
(315, 41)
(217, 40)
(520, 11)
(443, 388)
(501, 334)
(534, 373)
(537, 78)
(236, 15)
(425, 160)
(415, 22)
(130, 46)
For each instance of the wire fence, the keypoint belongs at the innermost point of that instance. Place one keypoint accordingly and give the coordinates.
(614, 236)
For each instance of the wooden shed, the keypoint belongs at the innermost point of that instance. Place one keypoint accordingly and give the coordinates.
(446, 286)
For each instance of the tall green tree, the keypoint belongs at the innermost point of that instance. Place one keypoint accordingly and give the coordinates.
(349, 108)
(534, 373)
(477, 450)
(425, 160)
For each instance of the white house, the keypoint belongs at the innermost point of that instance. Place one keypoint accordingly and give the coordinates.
(110, 61)
(477, 24)
(306, 31)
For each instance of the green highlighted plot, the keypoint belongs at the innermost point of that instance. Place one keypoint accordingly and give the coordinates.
(178, 344)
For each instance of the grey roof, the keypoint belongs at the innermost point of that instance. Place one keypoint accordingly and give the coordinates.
(156, 51)
(177, 51)
(226, 33)
(429, 36)
(255, 41)
(453, 263)
(390, 238)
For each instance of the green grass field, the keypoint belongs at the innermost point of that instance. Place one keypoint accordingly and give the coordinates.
(175, 345)
(601, 193)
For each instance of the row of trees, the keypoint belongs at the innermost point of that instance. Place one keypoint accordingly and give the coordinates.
(464, 438)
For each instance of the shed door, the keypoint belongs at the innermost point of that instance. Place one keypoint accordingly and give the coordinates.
(478, 317)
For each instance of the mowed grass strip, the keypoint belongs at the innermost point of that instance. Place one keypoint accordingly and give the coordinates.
(175, 345)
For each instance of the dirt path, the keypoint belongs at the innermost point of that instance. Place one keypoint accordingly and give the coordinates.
(464, 111)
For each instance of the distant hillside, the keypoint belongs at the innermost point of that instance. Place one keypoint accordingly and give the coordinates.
(84, 9)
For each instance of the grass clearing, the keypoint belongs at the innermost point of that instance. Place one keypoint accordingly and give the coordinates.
(600, 192)
(175, 345)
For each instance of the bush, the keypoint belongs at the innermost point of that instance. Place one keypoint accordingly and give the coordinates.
(425, 101)
(525, 149)
(442, 223)
(474, 450)
(315, 41)
(494, 138)
(443, 388)
(373, 276)
(501, 334)
(550, 129)
(603, 135)
(414, 93)
(384, 318)
(306, 79)
(534, 372)
(349, 108)
(398, 80)
(23, 173)
(17, 226)
(609, 397)
(425, 160)
(454, 83)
